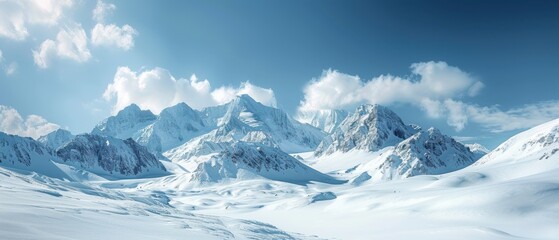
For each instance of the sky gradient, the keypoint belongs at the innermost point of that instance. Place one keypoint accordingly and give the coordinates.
(510, 47)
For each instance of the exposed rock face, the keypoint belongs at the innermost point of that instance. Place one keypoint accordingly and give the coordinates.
(110, 156)
(426, 152)
(370, 127)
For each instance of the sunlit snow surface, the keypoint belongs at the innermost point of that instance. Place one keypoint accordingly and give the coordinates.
(512, 193)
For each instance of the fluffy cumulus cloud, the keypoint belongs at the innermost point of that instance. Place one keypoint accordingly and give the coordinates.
(70, 43)
(429, 81)
(157, 89)
(16, 16)
(113, 35)
(435, 87)
(34, 126)
(101, 10)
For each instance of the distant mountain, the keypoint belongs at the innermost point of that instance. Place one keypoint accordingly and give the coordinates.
(478, 149)
(325, 120)
(108, 156)
(126, 124)
(26, 154)
(424, 153)
(245, 160)
(370, 127)
(536, 144)
(56, 138)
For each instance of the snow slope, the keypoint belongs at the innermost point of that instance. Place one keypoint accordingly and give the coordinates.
(512, 194)
(38, 207)
(538, 143)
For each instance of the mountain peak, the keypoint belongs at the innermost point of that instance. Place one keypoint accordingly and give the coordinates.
(370, 127)
(56, 138)
(177, 109)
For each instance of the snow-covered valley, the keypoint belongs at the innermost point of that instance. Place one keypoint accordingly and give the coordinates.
(247, 171)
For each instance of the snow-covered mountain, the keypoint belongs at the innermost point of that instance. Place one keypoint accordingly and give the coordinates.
(478, 149)
(127, 123)
(538, 143)
(424, 153)
(108, 156)
(56, 138)
(246, 120)
(245, 160)
(242, 119)
(173, 126)
(26, 154)
(370, 127)
(326, 120)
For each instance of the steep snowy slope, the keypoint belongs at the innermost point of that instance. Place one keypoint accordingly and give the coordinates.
(56, 138)
(246, 160)
(326, 120)
(538, 143)
(370, 127)
(28, 155)
(108, 156)
(126, 124)
(425, 153)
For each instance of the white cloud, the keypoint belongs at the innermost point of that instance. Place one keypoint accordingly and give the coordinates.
(15, 16)
(457, 117)
(157, 89)
(34, 126)
(492, 118)
(112, 35)
(10, 68)
(71, 43)
(434, 87)
(263, 95)
(429, 81)
(102, 10)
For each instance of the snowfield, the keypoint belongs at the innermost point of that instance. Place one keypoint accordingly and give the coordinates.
(386, 180)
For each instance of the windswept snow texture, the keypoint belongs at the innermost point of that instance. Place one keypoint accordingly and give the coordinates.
(109, 156)
(370, 127)
(245, 160)
(20, 153)
(541, 142)
(56, 138)
(38, 207)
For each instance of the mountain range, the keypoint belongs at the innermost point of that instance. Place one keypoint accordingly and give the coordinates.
(247, 158)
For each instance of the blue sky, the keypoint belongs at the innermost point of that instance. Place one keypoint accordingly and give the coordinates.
(496, 61)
